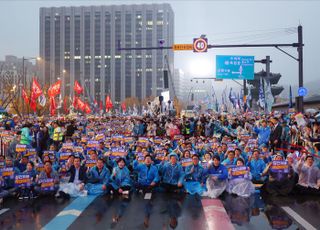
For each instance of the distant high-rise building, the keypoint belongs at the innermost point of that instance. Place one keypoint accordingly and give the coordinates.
(81, 43)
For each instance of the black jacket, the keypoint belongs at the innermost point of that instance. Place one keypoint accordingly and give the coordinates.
(276, 135)
(82, 174)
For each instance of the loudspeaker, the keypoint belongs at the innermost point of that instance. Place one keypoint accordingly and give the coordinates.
(165, 79)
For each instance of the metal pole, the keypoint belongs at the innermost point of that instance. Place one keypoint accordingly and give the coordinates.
(268, 78)
(23, 85)
(300, 57)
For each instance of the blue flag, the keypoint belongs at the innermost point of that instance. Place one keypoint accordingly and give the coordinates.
(290, 98)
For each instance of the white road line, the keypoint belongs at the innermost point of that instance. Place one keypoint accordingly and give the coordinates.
(298, 218)
(4, 210)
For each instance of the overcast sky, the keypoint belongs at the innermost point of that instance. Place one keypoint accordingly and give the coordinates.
(224, 22)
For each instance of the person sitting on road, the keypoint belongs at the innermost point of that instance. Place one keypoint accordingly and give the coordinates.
(217, 178)
(8, 181)
(172, 174)
(195, 177)
(280, 181)
(98, 178)
(48, 180)
(148, 176)
(240, 185)
(28, 192)
(120, 180)
(256, 165)
(309, 177)
(78, 178)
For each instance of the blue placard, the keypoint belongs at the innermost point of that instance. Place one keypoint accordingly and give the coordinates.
(234, 67)
(302, 91)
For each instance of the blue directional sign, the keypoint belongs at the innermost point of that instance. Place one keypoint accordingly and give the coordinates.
(302, 91)
(234, 67)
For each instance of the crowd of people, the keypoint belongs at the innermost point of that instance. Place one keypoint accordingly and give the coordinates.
(117, 155)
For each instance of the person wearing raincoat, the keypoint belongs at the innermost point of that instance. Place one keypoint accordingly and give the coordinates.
(240, 180)
(148, 176)
(98, 178)
(217, 178)
(195, 177)
(172, 174)
(120, 180)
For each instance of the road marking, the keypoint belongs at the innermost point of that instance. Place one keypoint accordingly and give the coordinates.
(70, 213)
(216, 215)
(298, 218)
(4, 210)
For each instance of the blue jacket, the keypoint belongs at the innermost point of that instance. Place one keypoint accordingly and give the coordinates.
(263, 134)
(120, 177)
(146, 175)
(95, 177)
(171, 174)
(226, 162)
(256, 168)
(198, 174)
(221, 171)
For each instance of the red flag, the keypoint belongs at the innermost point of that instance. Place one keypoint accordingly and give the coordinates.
(123, 106)
(77, 87)
(53, 106)
(101, 106)
(65, 107)
(80, 104)
(25, 96)
(35, 89)
(75, 102)
(54, 89)
(33, 104)
(108, 103)
(87, 108)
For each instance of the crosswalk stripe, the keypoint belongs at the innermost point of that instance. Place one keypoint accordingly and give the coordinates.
(70, 213)
(216, 215)
(3, 210)
(298, 218)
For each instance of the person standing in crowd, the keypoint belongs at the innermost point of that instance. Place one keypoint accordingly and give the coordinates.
(26, 137)
(263, 131)
(275, 135)
(57, 134)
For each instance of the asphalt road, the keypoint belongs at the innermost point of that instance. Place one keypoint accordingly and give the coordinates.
(162, 211)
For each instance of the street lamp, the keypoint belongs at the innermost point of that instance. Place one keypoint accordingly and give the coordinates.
(23, 68)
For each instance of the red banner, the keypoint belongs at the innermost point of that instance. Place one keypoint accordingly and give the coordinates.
(35, 90)
(53, 106)
(123, 106)
(109, 104)
(80, 104)
(54, 89)
(25, 96)
(65, 106)
(87, 108)
(77, 87)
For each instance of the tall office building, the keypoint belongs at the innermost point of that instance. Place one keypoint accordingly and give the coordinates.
(81, 43)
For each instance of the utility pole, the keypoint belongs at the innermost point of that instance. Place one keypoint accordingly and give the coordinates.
(300, 59)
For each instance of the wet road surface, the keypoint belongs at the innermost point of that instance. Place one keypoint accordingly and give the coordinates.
(162, 211)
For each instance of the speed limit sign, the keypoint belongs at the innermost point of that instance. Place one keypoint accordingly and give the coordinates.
(200, 45)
